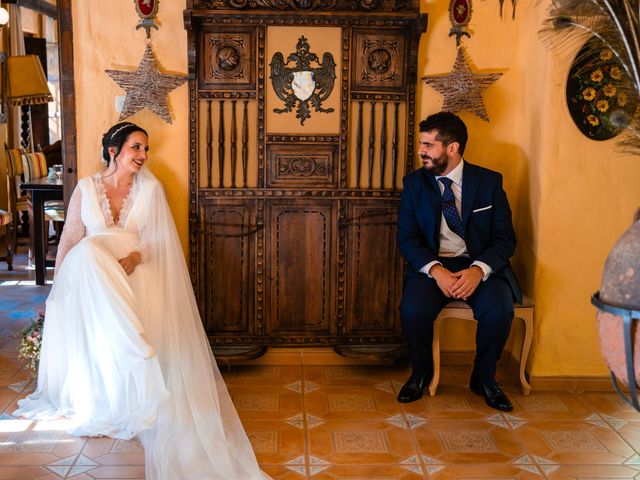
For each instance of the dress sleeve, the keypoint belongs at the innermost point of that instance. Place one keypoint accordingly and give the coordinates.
(144, 248)
(74, 229)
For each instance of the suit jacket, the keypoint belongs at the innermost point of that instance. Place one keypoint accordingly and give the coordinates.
(486, 219)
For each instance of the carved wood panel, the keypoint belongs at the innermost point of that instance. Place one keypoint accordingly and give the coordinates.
(227, 247)
(371, 247)
(302, 165)
(379, 60)
(229, 59)
(349, 5)
(300, 266)
(293, 210)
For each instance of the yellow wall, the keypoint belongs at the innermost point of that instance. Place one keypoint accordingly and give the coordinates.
(104, 37)
(558, 181)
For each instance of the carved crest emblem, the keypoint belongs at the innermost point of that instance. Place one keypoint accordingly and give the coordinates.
(147, 10)
(307, 81)
(460, 16)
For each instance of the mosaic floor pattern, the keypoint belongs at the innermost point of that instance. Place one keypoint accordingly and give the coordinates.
(340, 422)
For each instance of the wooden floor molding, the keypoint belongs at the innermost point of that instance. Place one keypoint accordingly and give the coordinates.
(327, 356)
(571, 384)
(306, 356)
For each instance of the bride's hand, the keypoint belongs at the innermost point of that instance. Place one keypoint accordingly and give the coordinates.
(130, 262)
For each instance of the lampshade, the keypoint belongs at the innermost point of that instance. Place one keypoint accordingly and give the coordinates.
(4, 17)
(27, 84)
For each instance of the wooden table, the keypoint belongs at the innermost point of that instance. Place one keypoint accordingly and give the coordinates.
(41, 190)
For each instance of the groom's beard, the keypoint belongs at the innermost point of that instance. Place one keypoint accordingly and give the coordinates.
(438, 165)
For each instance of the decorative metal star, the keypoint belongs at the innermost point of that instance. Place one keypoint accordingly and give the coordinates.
(462, 89)
(146, 87)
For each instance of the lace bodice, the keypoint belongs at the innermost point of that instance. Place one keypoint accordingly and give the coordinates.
(89, 213)
(106, 207)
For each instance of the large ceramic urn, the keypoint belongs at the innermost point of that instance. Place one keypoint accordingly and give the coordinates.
(618, 305)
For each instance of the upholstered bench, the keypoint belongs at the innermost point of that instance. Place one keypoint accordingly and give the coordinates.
(459, 309)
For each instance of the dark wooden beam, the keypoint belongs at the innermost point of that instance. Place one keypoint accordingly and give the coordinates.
(67, 90)
(40, 6)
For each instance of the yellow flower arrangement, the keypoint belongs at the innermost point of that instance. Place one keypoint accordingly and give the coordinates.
(597, 75)
(605, 55)
(609, 90)
(615, 73)
(608, 62)
(593, 120)
(596, 89)
(622, 99)
(602, 105)
(589, 94)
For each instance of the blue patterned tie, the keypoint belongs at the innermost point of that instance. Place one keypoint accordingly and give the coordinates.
(449, 209)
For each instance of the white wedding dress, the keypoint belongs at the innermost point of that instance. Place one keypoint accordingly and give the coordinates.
(127, 356)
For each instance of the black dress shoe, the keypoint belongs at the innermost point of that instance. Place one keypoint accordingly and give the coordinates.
(493, 395)
(412, 390)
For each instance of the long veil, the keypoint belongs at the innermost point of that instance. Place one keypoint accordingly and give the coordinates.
(198, 434)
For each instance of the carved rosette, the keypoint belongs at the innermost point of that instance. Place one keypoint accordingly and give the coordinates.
(380, 60)
(225, 58)
(302, 166)
(326, 5)
(228, 60)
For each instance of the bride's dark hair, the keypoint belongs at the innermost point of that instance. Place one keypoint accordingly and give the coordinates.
(116, 136)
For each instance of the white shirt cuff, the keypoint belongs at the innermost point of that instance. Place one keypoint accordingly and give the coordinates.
(428, 267)
(485, 268)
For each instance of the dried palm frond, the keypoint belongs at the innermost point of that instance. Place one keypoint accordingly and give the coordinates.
(615, 24)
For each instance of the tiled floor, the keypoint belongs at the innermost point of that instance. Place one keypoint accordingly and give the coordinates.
(341, 422)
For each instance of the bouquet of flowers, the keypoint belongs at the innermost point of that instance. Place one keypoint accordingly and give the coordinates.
(30, 342)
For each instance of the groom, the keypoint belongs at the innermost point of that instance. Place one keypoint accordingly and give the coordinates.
(456, 234)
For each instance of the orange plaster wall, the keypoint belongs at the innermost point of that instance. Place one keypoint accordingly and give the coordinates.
(559, 183)
(492, 48)
(105, 37)
(571, 197)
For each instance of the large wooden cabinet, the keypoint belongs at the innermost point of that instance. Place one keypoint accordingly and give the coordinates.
(301, 128)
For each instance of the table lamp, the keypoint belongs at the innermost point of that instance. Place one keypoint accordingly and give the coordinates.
(26, 85)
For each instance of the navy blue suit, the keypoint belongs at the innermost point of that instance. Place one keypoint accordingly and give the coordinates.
(489, 238)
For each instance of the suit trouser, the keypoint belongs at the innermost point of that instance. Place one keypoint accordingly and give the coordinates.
(422, 301)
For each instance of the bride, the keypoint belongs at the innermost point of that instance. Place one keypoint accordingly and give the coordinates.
(124, 353)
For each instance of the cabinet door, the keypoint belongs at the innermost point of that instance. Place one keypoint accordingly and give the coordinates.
(226, 285)
(373, 269)
(300, 270)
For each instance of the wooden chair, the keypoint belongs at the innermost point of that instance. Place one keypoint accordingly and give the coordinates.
(34, 165)
(459, 309)
(21, 167)
(18, 203)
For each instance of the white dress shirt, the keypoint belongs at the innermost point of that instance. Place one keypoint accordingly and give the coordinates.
(451, 244)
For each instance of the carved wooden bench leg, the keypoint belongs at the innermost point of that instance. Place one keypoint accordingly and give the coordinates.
(435, 346)
(526, 315)
(458, 309)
